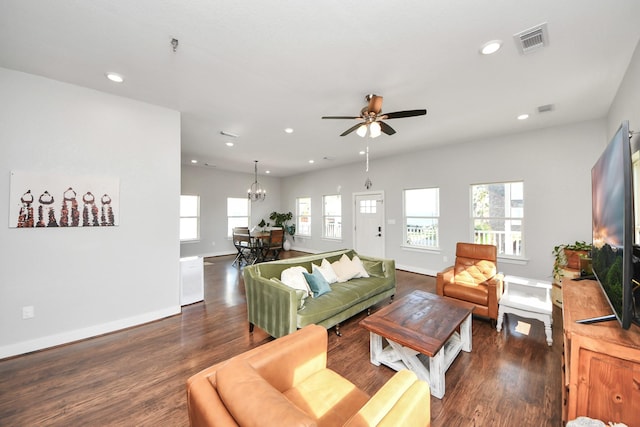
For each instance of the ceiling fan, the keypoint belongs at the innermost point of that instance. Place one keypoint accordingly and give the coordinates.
(371, 118)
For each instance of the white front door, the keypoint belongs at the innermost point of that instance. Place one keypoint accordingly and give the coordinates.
(369, 224)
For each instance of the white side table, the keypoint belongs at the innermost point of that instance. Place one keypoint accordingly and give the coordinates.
(527, 298)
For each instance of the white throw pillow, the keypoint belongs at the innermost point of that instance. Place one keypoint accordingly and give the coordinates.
(294, 278)
(345, 269)
(362, 272)
(326, 270)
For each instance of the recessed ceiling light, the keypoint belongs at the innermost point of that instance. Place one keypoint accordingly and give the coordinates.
(267, 171)
(115, 77)
(311, 161)
(361, 153)
(491, 47)
(523, 117)
(288, 130)
(229, 144)
(194, 161)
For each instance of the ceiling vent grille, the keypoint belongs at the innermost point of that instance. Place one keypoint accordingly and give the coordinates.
(532, 39)
(546, 108)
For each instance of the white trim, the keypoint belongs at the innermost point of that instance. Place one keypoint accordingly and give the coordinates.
(418, 270)
(419, 249)
(84, 333)
(513, 260)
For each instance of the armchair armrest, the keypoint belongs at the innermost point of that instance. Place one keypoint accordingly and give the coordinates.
(444, 276)
(271, 305)
(496, 287)
(403, 400)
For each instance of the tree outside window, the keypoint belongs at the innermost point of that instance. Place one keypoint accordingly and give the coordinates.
(498, 216)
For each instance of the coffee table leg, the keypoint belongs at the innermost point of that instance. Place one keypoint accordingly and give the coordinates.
(436, 374)
(465, 334)
(375, 348)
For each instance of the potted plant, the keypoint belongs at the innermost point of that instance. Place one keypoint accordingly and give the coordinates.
(569, 255)
(263, 225)
(281, 220)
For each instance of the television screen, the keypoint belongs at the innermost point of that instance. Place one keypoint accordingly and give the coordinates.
(612, 219)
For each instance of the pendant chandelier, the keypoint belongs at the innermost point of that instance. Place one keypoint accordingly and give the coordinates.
(256, 193)
(368, 184)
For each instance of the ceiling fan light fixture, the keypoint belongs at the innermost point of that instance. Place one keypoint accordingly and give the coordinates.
(362, 131)
(374, 130)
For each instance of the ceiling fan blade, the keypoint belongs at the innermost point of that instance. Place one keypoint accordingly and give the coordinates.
(401, 114)
(375, 104)
(341, 117)
(351, 129)
(386, 128)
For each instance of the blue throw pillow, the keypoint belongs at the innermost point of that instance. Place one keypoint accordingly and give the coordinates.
(317, 283)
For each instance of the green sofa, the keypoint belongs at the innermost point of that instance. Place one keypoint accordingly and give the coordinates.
(275, 307)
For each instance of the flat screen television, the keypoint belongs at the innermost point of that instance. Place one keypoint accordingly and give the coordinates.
(612, 227)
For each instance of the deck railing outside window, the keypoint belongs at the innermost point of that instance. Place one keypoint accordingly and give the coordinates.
(418, 235)
(333, 230)
(507, 243)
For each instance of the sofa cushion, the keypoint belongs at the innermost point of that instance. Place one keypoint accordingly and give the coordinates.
(326, 270)
(342, 297)
(374, 268)
(345, 269)
(237, 380)
(317, 283)
(362, 272)
(294, 278)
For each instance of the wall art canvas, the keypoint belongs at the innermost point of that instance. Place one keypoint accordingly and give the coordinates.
(58, 200)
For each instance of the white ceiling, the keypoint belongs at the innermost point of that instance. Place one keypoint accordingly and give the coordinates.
(253, 68)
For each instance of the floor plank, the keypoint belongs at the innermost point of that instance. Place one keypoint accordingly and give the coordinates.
(136, 377)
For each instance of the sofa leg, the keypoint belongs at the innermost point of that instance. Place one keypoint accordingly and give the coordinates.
(250, 327)
(338, 333)
(391, 300)
(369, 311)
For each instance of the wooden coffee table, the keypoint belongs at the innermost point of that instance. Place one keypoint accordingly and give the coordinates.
(421, 329)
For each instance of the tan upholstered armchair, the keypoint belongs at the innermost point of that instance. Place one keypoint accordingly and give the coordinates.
(286, 382)
(474, 278)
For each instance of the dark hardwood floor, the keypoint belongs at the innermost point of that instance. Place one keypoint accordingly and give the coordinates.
(136, 377)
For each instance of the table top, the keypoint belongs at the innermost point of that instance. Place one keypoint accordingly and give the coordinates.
(421, 321)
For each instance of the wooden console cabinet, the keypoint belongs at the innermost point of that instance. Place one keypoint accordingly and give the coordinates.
(601, 361)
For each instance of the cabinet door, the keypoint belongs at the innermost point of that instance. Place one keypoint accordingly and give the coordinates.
(608, 388)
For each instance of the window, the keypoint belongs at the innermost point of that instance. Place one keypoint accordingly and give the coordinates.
(303, 221)
(332, 216)
(498, 216)
(237, 213)
(189, 218)
(421, 214)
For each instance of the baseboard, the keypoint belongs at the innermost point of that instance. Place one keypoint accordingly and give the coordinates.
(84, 333)
(418, 270)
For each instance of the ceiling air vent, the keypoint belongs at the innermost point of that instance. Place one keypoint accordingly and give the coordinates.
(532, 39)
(545, 108)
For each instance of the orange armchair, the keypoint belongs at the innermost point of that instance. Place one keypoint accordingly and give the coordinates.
(474, 278)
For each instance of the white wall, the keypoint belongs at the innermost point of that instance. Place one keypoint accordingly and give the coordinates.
(626, 105)
(214, 186)
(83, 282)
(554, 164)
